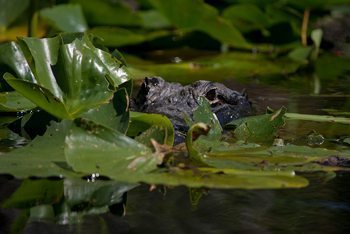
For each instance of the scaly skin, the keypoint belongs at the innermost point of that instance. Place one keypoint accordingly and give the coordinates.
(177, 101)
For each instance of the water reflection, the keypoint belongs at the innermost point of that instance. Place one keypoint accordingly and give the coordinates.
(319, 208)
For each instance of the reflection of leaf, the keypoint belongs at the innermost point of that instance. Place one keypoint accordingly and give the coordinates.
(258, 128)
(65, 17)
(201, 17)
(36, 192)
(97, 194)
(63, 79)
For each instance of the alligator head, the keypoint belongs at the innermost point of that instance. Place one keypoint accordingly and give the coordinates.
(175, 101)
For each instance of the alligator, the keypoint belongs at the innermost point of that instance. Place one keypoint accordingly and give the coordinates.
(176, 101)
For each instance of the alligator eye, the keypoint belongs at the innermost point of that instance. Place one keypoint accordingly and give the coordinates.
(211, 95)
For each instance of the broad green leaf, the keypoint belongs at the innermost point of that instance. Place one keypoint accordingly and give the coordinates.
(203, 114)
(42, 157)
(140, 122)
(108, 13)
(154, 20)
(258, 128)
(44, 52)
(70, 79)
(10, 11)
(65, 17)
(91, 148)
(12, 55)
(198, 179)
(13, 102)
(220, 67)
(197, 15)
(116, 37)
(36, 192)
(246, 17)
(114, 115)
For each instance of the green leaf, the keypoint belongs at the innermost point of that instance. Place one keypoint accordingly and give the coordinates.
(197, 15)
(203, 114)
(42, 157)
(246, 17)
(219, 67)
(114, 115)
(154, 20)
(10, 11)
(140, 122)
(91, 148)
(105, 12)
(13, 102)
(63, 79)
(300, 54)
(65, 17)
(116, 37)
(258, 128)
(198, 179)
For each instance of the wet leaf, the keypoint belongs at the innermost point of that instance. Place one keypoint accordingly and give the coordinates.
(65, 17)
(70, 79)
(92, 148)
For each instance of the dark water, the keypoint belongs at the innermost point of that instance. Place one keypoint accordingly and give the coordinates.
(322, 207)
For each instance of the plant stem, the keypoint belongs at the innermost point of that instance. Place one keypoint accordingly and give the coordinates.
(304, 26)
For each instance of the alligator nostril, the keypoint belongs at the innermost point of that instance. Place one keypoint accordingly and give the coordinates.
(211, 95)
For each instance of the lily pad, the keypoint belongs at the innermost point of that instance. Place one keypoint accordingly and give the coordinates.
(206, 19)
(42, 157)
(258, 128)
(70, 79)
(65, 17)
(91, 148)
